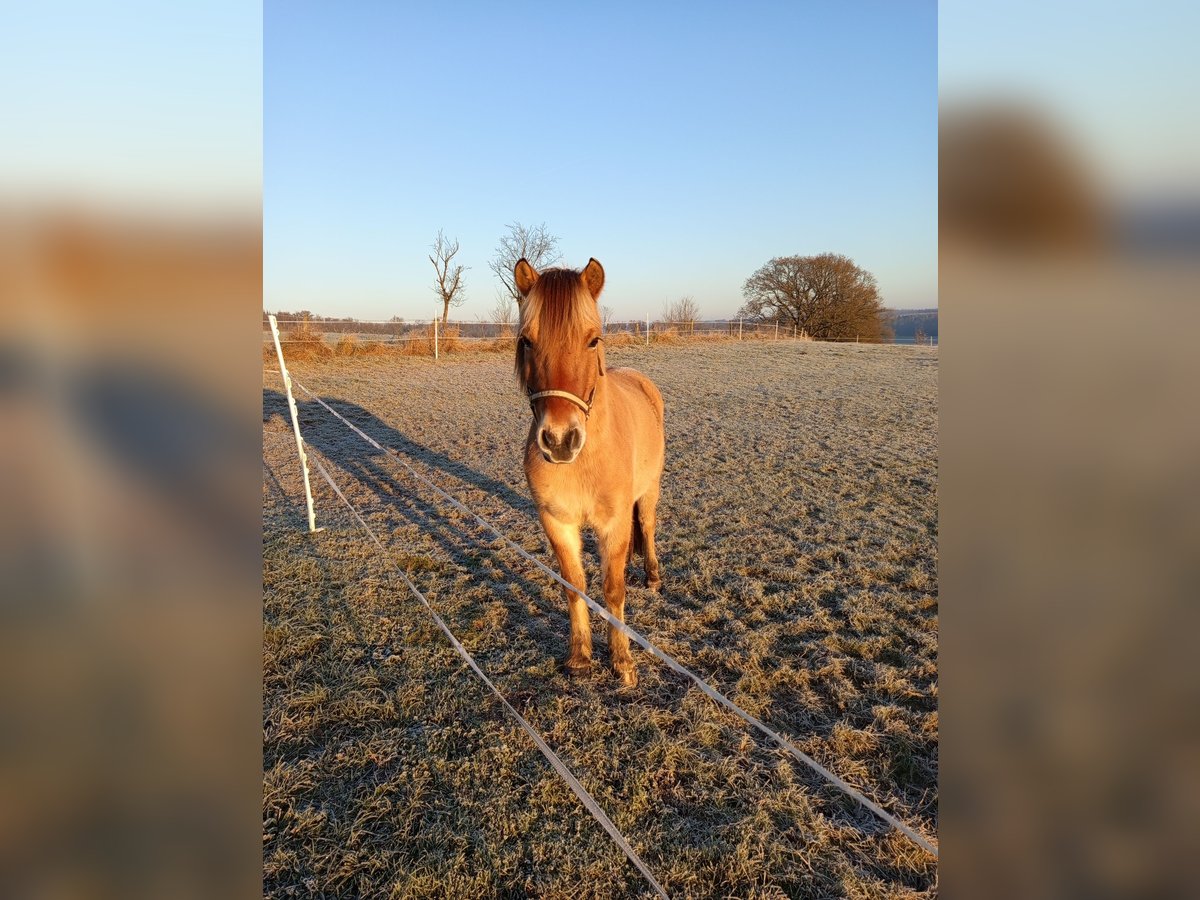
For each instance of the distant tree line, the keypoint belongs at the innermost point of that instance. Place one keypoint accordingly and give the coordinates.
(338, 324)
(907, 323)
(826, 296)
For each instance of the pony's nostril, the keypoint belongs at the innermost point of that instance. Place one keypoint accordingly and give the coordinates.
(548, 439)
(574, 439)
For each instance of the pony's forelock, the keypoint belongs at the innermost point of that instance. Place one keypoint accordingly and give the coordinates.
(559, 311)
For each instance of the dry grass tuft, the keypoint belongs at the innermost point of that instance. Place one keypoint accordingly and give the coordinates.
(305, 342)
(419, 341)
(450, 339)
(416, 342)
(503, 344)
(620, 339)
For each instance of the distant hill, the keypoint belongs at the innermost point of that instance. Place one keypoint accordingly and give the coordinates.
(906, 322)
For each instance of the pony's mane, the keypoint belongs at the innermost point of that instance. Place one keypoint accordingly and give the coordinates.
(560, 309)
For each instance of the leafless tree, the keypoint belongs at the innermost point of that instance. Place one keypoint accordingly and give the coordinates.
(606, 317)
(533, 243)
(504, 313)
(827, 296)
(449, 288)
(682, 313)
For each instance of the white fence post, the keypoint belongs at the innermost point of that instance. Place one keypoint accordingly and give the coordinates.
(287, 383)
(776, 329)
(739, 329)
(435, 340)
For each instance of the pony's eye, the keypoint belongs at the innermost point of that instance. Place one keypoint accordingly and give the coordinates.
(524, 343)
(594, 344)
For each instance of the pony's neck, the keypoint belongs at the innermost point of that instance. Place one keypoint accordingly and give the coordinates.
(598, 420)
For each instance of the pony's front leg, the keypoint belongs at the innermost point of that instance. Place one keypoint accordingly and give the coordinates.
(568, 547)
(614, 553)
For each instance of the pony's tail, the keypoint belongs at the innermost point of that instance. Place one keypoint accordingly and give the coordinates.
(639, 542)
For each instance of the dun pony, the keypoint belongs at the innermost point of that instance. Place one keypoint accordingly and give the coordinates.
(594, 455)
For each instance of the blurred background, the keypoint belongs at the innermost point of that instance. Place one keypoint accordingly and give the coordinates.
(1069, 255)
(130, 292)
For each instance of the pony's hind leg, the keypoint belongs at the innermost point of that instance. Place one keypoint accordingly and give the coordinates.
(614, 553)
(644, 514)
(568, 545)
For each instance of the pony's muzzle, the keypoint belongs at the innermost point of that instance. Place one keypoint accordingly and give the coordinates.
(560, 445)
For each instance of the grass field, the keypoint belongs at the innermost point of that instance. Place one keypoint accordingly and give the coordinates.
(798, 540)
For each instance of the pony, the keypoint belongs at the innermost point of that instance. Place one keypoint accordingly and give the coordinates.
(595, 450)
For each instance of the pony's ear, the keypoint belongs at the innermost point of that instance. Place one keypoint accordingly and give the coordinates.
(593, 277)
(526, 276)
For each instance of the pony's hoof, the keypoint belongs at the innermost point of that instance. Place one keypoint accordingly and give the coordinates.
(577, 667)
(654, 584)
(628, 678)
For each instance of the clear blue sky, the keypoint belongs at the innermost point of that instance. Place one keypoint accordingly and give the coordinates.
(681, 144)
(133, 105)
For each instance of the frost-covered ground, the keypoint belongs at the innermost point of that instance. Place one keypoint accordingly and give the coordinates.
(798, 539)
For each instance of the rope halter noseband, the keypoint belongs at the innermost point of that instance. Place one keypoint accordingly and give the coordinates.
(586, 406)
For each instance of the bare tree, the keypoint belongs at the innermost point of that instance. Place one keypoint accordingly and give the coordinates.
(683, 313)
(827, 296)
(606, 317)
(449, 288)
(534, 244)
(504, 313)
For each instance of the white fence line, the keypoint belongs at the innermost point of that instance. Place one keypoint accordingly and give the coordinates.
(668, 660)
(643, 330)
(559, 766)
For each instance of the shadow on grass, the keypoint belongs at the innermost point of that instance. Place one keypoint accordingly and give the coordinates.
(289, 512)
(275, 404)
(364, 467)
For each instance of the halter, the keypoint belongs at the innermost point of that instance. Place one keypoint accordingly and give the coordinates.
(585, 405)
(567, 395)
